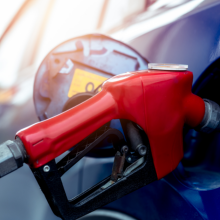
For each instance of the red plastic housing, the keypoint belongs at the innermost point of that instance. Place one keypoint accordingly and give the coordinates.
(159, 101)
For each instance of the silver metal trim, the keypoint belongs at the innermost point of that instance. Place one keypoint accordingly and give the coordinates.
(108, 214)
(109, 183)
(46, 168)
(133, 166)
(167, 66)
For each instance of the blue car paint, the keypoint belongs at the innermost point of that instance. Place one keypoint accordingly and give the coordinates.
(193, 39)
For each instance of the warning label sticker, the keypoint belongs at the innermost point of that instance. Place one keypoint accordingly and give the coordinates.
(84, 81)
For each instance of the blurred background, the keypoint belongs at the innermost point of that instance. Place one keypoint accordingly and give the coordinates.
(30, 29)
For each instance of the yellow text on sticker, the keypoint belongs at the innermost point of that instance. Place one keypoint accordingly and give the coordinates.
(84, 81)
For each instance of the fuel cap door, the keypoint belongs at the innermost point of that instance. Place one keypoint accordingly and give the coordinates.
(75, 70)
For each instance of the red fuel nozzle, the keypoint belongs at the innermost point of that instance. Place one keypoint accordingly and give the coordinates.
(158, 101)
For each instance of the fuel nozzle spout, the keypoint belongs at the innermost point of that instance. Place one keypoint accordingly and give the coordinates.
(12, 156)
(211, 119)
